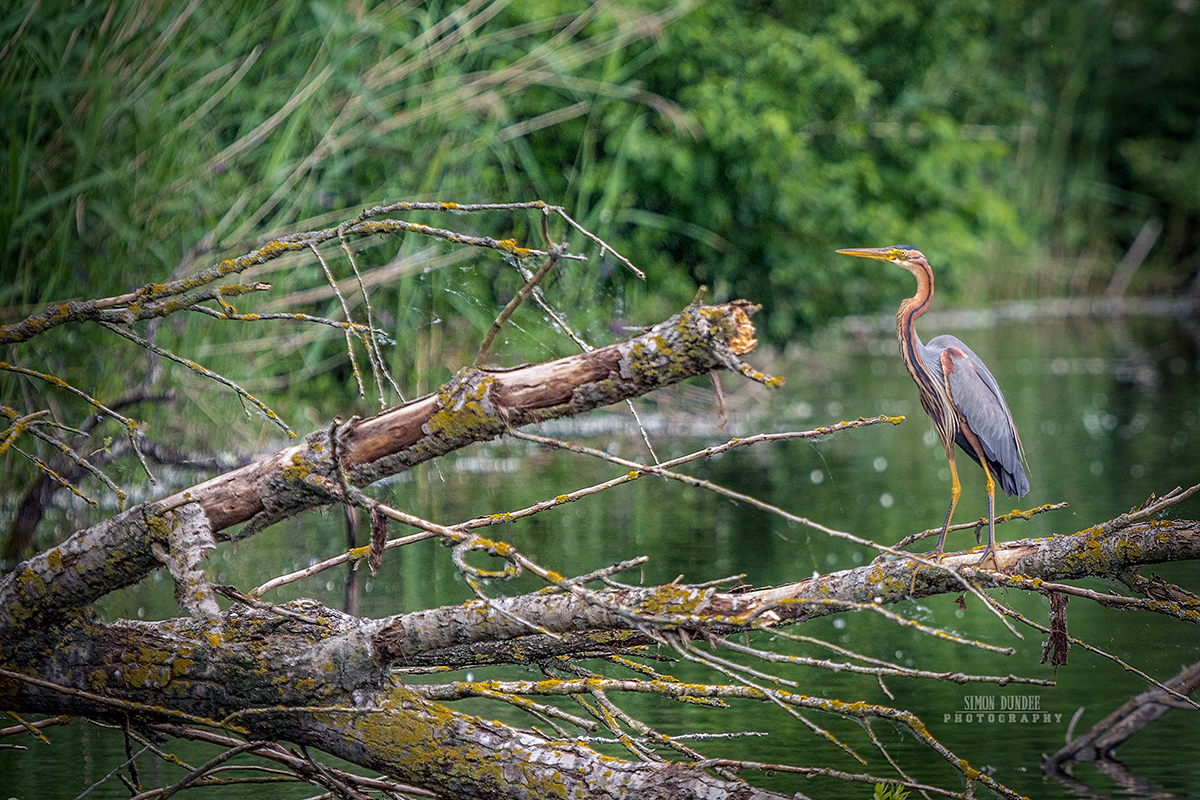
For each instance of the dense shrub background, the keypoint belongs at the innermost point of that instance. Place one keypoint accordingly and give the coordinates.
(1022, 145)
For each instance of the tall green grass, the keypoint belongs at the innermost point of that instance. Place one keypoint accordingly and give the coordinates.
(146, 139)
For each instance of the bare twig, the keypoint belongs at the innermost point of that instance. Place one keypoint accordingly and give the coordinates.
(979, 523)
(112, 773)
(545, 208)
(112, 702)
(883, 669)
(1173, 497)
(29, 727)
(294, 762)
(203, 371)
(431, 530)
(1116, 660)
(246, 600)
(370, 341)
(131, 427)
(362, 391)
(206, 768)
(772, 509)
(556, 253)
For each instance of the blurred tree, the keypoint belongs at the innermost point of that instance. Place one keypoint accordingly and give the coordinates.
(1123, 83)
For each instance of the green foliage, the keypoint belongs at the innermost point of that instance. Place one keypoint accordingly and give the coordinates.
(975, 132)
(145, 140)
(741, 141)
(733, 144)
(885, 792)
(819, 128)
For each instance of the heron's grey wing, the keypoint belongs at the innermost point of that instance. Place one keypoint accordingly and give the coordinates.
(978, 398)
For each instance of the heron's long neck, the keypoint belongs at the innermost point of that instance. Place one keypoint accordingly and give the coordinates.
(906, 318)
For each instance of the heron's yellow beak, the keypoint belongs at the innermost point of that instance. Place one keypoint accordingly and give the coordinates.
(877, 253)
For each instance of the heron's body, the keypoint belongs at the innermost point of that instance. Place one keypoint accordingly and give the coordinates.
(958, 392)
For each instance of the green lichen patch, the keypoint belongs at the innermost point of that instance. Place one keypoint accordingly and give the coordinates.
(465, 411)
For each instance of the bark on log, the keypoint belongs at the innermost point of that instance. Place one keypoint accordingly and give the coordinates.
(320, 684)
(321, 678)
(1100, 551)
(463, 635)
(477, 405)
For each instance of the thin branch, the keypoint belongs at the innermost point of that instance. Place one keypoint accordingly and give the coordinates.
(54, 476)
(362, 391)
(776, 510)
(238, 597)
(534, 204)
(30, 727)
(204, 372)
(125, 705)
(556, 253)
(131, 427)
(294, 762)
(890, 615)
(1116, 660)
(370, 342)
(83, 463)
(203, 769)
(1176, 495)
(111, 774)
(885, 668)
(357, 328)
(1188, 611)
(478, 690)
(980, 523)
(143, 303)
(738, 672)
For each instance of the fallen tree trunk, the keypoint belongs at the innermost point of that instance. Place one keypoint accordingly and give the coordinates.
(305, 674)
(475, 406)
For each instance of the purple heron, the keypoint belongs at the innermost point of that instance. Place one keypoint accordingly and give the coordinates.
(958, 392)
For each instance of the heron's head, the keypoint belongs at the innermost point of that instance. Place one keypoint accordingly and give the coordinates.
(902, 255)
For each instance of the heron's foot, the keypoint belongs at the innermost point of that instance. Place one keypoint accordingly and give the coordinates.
(936, 555)
(988, 553)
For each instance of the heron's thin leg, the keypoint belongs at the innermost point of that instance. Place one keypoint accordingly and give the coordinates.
(991, 490)
(955, 493)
